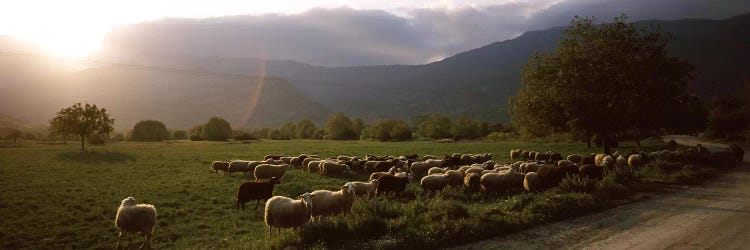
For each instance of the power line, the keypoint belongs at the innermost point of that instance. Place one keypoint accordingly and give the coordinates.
(231, 75)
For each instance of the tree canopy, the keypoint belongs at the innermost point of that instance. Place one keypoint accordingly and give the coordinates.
(150, 130)
(340, 127)
(82, 121)
(216, 129)
(604, 80)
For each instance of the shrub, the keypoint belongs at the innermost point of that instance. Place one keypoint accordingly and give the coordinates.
(180, 135)
(244, 136)
(216, 129)
(196, 133)
(149, 131)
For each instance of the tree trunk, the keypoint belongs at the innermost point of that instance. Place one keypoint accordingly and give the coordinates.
(588, 141)
(82, 139)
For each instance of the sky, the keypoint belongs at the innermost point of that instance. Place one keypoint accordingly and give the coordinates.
(329, 33)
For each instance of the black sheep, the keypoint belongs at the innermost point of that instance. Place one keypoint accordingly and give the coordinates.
(390, 183)
(255, 190)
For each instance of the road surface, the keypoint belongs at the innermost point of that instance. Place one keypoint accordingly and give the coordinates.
(715, 215)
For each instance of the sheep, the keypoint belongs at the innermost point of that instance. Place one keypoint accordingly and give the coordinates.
(588, 160)
(314, 166)
(307, 161)
(363, 188)
(266, 171)
(525, 155)
(564, 163)
(554, 157)
(436, 170)
(471, 181)
(332, 169)
(255, 190)
(542, 157)
(575, 158)
(468, 159)
(482, 158)
(429, 157)
(551, 176)
(455, 177)
(283, 212)
(237, 166)
(608, 162)
(419, 169)
(515, 154)
(391, 183)
(739, 152)
(473, 169)
(436, 163)
(501, 182)
(532, 183)
(598, 159)
(327, 203)
(621, 161)
(433, 183)
(635, 161)
(375, 166)
(529, 167)
(345, 157)
(135, 218)
(532, 155)
(591, 171)
(272, 157)
(297, 161)
(376, 175)
(217, 166)
(286, 159)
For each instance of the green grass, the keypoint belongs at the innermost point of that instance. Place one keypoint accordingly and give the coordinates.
(54, 196)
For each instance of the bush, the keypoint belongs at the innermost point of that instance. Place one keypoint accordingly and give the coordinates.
(340, 127)
(150, 131)
(196, 133)
(388, 129)
(244, 136)
(180, 135)
(500, 136)
(216, 129)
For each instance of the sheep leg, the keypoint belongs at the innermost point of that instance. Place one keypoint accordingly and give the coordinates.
(146, 244)
(119, 239)
(256, 204)
(269, 231)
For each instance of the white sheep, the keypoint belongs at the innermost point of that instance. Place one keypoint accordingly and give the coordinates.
(237, 166)
(635, 161)
(621, 161)
(327, 203)
(564, 163)
(436, 170)
(282, 212)
(363, 188)
(434, 183)
(598, 159)
(135, 218)
(266, 171)
(332, 169)
(531, 182)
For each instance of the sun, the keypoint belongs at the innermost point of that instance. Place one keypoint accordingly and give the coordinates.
(73, 45)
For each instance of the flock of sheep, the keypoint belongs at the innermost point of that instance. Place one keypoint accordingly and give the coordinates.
(530, 170)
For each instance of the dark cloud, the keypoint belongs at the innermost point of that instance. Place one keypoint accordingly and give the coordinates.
(347, 37)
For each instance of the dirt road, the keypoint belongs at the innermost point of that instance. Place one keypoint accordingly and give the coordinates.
(715, 215)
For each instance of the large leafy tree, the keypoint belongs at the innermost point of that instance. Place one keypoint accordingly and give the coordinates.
(340, 127)
(150, 130)
(603, 80)
(82, 121)
(216, 129)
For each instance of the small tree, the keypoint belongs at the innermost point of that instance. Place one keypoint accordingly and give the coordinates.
(196, 133)
(216, 129)
(83, 121)
(288, 131)
(434, 126)
(150, 130)
(304, 129)
(339, 127)
(14, 135)
(179, 135)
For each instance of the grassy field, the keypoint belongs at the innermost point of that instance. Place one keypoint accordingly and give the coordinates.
(54, 196)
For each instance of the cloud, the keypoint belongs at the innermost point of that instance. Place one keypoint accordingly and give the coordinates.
(348, 37)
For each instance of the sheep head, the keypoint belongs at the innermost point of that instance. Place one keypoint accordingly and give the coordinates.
(130, 201)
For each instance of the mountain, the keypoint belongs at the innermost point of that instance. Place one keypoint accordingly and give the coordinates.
(177, 98)
(475, 83)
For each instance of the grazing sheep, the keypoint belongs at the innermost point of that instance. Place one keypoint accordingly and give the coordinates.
(297, 161)
(525, 155)
(621, 161)
(554, 157)
(598, 159)
(467, 159)
(272, 157)
(482, 158)
(635, 161)
(471, 181)
(377, 166)
(515, 154)
(429, 157)
(532, 182)
(528, 167)
(564, 163)
(135, 218)
(345, 157)
(590, 170)
(501, 182)
(739, 152)
(255, 190)
(327, 203)
(332, 169)
(575, 158)
(266, 171)
(363, 188)
(314, 166)
(217, 166)
(391, 183)
(282, 212)
(419, 169)
(672, 144)
(286, 159)
(436, 170)
(237, 166)
(433, 183)
(532, 155)
(455, 177)
(473, 169)
(551, 176)
(608, 161)
(436, 163)
(542, 157)
(588, 160)
(307, 161)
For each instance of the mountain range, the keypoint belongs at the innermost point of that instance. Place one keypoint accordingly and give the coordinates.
(475, 83)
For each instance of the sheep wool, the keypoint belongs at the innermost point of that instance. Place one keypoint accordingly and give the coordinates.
(266, 171)
(635, 161)
(283, 212)
(471, 181)
(363, 188)
(433, 183)
(327, 203)
(217, 166)
(532, 183)
(135, 218)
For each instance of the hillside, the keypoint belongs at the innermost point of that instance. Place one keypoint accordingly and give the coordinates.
(179, 99)
(478, 82)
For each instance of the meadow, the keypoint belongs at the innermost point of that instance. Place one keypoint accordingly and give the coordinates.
(54, 196)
